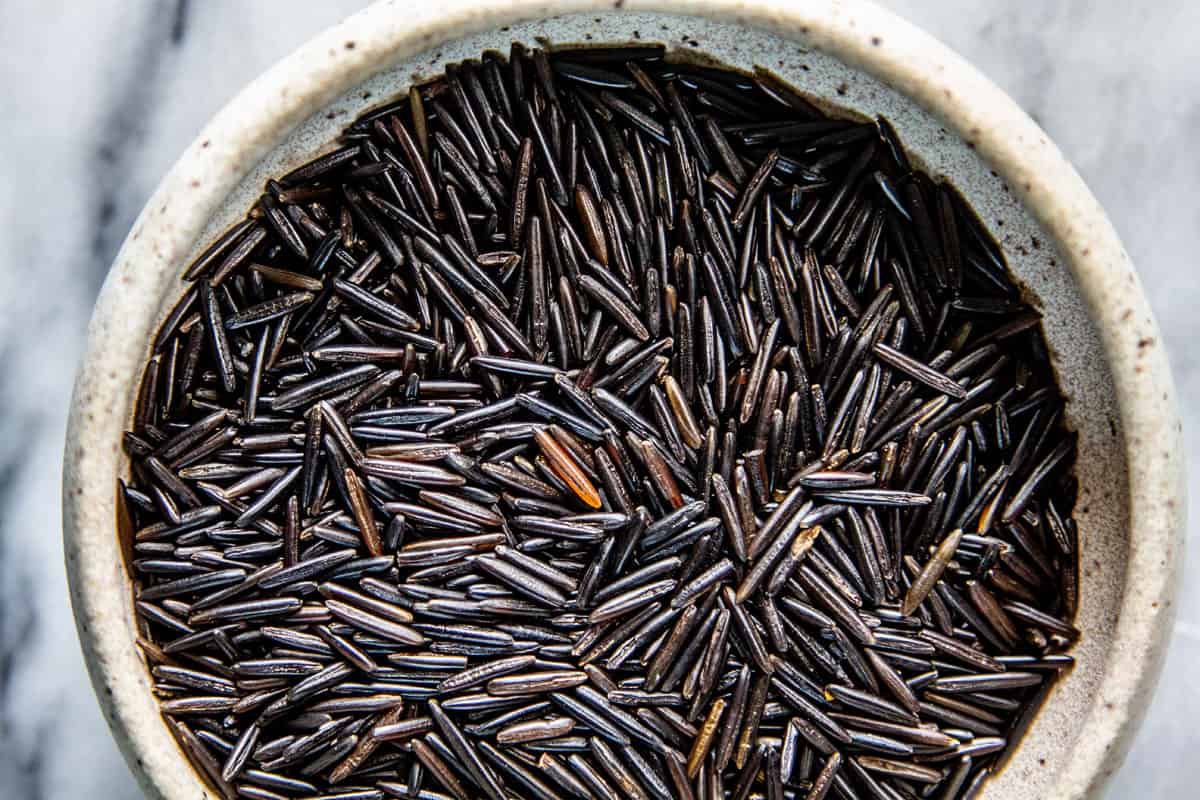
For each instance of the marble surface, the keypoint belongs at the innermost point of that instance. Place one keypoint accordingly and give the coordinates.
(98, 99)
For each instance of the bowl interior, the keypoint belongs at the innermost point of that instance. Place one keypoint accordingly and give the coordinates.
(1045, 755)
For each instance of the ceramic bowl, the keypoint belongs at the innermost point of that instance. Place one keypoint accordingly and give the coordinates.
(854, 56)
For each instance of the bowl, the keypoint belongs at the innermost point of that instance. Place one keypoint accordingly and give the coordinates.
(853, 56)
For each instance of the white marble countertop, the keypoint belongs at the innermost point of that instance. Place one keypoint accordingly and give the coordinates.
(98, 99)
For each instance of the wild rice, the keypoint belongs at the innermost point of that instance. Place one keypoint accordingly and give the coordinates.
(595, 423)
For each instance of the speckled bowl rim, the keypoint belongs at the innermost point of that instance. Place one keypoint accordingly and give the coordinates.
(854, 31)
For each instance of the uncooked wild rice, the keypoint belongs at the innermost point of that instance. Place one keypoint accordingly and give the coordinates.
(594, 424)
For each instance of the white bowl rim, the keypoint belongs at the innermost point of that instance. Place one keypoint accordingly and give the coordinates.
(855, 31)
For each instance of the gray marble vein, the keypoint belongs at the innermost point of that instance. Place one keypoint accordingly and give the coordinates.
(98, 99)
